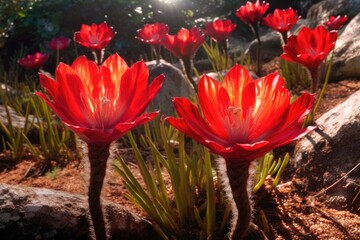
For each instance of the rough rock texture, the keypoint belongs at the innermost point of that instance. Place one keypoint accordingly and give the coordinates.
(6, 89)
(36, 213)
(16, 120)
(331, 151)
(320, 12)
(175, 85)
(270, 44)
(347, 52)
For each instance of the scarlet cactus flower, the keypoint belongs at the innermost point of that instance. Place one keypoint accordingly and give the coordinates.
(100, 104)
(95, 37)
(252, 13)
(335, 23)
(184, 45)
(152, 33)
(309, 48)
(219, 30)
(282, 20)
(35, 60)
(59, 43)
(242, 119)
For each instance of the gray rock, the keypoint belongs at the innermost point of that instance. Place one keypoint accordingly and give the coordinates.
(175, 85)
(320, 12)
(29, 213)
(347, 52)
(6, 89)
(270, 43)
(217, 75)
(331, 151)
(17, 120)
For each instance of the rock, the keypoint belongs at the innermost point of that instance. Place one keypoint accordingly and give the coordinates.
(35, 213)
(270, 44)
(175, 85)
(217, 75)
(6, 89)
(347, 52)
(303, 6)
(331, 151)
(320, 12)
(17, 120)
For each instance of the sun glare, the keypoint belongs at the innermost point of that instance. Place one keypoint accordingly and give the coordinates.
(168, 1)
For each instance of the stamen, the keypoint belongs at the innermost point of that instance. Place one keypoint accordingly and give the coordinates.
(105, 101)
(234, 109)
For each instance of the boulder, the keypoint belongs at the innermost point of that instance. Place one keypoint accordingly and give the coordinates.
(320, 12)
(35, 213)
(175, 85)
(270, 43)
(331, 152)
(347, 52)
(17, 120)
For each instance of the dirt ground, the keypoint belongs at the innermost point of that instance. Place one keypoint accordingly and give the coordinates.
(289, 212)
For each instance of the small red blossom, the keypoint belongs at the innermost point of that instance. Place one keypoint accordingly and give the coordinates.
(35, 60)
(59, 43)
(310, 47)
(335, 23)
(241, 118)
(251, 13)
(101, 103)
(185, 43)
(282, 20)
(152, 33)
(219, 30)
(95, 37)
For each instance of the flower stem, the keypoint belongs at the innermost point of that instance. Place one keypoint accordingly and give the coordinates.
(187, 67)
(157, 49)
(255, 29)
(284, 37)
(98, 55)
(98, 155)
(238, 174)
(315, 75)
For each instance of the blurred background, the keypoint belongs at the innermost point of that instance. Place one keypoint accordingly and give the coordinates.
(26, 25)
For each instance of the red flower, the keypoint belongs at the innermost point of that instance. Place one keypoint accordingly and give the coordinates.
(35, 60)
(251, 13)
(95, 37)
(152, 33)
(282, 20)
(335, 23)
(59, 43)
(186, 43)
(310, 47)
(219, 30)
(242, 119)
(101, 103)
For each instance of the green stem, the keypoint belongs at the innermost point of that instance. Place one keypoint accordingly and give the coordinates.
(98, 155)
(98, 55)
(255, 29)
(187, 64)
(157, 48)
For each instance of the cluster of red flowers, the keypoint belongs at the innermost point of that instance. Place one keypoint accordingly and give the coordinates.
(240, 118)
(227, 107)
